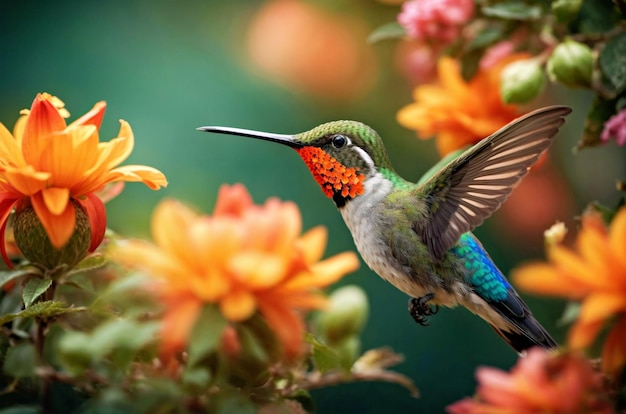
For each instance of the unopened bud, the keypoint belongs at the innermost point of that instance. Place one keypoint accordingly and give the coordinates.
(566, 10)
(555, 234)
(346, 316)
(571, 63)
(33, 241)
(521, 81)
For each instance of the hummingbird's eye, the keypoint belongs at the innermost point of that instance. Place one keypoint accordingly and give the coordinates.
(339, 141)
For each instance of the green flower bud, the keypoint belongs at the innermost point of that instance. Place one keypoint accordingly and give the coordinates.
(521, 81)
(566, 10)
(346, 316)
(32, 240)
(571, 63)
(348, 351)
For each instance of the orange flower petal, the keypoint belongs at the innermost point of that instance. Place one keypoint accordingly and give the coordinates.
(256, 269)
(10, 152)
(232, 200)
(313, 243)
(617, 241)
(599, 306)
(43, 120)
(170, 222)
(324, 273)
(581, 335)
(238, 305)
(575, 269)
(544, 279)
(287, 324)
(7, 202)
(26, 180)
(614, 350)
(69, 155)
(59, 227)
(151, 177)
(118, 149)
(178, 322)
(94, 207)
(56, 199)
(93, 117)
(149, 258)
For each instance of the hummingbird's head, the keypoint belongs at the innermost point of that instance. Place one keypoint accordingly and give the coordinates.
(341, 155)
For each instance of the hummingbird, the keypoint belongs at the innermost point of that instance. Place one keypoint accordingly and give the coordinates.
(417, 236)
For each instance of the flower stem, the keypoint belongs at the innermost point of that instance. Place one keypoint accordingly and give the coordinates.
(39, 342)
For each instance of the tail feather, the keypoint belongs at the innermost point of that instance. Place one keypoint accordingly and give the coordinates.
(525, 331)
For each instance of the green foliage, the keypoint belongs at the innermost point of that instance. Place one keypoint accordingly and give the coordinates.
(600, 111)
(8, 275)
(206, 334)
(612, 61)
(325, 357)
(391, 30)
(34, 288)
(117, 339)
(513, 10)
(41, 310)
(19, 361)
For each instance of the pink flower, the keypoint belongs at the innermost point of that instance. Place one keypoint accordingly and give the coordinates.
(541, 382)
(435, 20)
(496, 53)
(615, 127)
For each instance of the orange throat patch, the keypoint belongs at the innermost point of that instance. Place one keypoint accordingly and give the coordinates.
(331, 175)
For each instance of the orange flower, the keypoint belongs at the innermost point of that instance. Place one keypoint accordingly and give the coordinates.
(540, 382)
(245, 258)
(50, 165)
(596, 274)
(459, 113)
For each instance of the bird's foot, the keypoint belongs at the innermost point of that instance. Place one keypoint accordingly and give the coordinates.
(420, 309)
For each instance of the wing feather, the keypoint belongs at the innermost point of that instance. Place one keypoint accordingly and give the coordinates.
(474, 185)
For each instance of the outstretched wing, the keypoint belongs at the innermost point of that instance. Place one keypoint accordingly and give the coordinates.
(471, 187)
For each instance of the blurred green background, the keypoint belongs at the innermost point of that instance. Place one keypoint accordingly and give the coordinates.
(168, 67)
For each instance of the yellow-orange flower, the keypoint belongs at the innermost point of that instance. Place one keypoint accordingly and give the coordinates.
(540, 382)
(52, 165)
(457, 112)
(594, 273)
(245, 258)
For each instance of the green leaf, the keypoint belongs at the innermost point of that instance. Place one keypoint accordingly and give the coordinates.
(24, 409)
(119, 339)
(601, 110)
(231, 402)
(34, 288)
(485, 38)
(597, 16)
(41, 310)
(391, 30)
(75, 351)
(8, 275)
(570, 314)
(20, 361)
(91, 262)
(122, 338)
(197, 378)
(206, 334)
(613, 62)
(325, 357)
(513, 11)
(470, 62)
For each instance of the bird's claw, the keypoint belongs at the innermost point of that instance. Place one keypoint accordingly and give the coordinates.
(419, 309)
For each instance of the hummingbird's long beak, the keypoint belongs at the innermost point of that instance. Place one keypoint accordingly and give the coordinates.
(288, 140)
